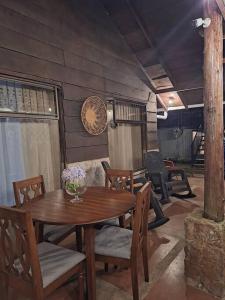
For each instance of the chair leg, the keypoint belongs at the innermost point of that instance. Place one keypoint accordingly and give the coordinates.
(81, 286)
(5, 286)
(134, 279)
(106, 267)
(39, 231)
(122, 221)
(145, 259)
(79, 238)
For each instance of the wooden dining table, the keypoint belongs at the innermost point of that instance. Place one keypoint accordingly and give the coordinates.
(98, 204)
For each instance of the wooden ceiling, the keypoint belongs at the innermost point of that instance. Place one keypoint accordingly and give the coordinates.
(161, 35)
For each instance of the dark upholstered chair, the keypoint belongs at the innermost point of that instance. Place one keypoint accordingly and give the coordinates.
(28, 189)
(121, 246)
(168, 180)
(33, 270)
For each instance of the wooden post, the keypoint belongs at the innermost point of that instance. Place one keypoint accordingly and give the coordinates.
(213, 114)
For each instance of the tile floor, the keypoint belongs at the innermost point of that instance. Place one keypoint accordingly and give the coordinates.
(166, 261)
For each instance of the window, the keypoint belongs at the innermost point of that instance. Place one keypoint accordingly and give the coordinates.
(29, 135)
(126, 123)
(17, 97)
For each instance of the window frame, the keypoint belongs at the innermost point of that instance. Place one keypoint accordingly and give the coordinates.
(30, 115)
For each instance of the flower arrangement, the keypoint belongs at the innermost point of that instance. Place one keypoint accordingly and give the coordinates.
(74, 179)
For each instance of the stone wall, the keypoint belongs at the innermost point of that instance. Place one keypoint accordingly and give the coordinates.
(205, 254)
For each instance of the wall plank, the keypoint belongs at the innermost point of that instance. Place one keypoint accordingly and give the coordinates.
(72, 108)
(73, 124)
(74, 44)
(86, 153)
(81, 139)
(18, 42)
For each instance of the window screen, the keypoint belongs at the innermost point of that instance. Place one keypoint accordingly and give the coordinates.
(18, 97)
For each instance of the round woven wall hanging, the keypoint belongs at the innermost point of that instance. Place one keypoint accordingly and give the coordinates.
(94, 115)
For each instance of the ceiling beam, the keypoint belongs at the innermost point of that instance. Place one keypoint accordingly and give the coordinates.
(160, 77)
(162, 102)
(147, 35)
(179, 90)
(172, 89)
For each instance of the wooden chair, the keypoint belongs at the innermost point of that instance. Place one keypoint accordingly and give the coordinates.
(33, 270)
(121, 246)
(120, 180)
(138, 179)
(28, 189)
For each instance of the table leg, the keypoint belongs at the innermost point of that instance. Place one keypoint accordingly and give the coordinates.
(89, 240)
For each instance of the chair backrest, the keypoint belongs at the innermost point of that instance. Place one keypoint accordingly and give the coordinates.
(140, 221)
(119, 179)
(105, 165)
(18, 252)
(154, 163)
(28, 189)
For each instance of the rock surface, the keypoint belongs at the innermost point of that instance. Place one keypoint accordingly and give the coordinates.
(205, 254)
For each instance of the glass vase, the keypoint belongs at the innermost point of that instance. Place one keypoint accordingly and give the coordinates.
(76, 188)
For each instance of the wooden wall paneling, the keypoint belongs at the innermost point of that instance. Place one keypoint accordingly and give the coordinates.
(88, 28)
(23, 24)
(35, 43)
(120, 89)
(77, 46)
(84, 139)
(87, 153)
(62, 140)
(153, 117)
(72, 108)
(30, 65)
(18, 42)
(80, 63)
(73, 92)
(73, 124)
(152, 107)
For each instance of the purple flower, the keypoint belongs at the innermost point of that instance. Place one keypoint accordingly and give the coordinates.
(73, 173)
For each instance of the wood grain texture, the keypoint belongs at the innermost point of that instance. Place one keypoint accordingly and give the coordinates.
(76, 47)
(17, 229)
(151, 126)
(99, 204)
(84, 139)
(213, 115)
(139, 241)
(19, 42)
(86, 153)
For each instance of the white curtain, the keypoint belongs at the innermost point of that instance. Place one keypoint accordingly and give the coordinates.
(125, 146)
(27, 149)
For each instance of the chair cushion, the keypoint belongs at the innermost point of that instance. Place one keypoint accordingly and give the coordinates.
(54, 232)
(114, 241)
(55, 261)
(115, 221)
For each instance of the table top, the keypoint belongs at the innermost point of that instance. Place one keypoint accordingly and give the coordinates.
(99, 204)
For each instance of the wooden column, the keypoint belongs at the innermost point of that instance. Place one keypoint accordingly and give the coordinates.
(151, 128)
(213, 114)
